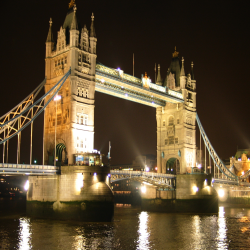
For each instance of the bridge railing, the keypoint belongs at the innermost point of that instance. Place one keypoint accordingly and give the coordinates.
(23, 166)
(141, 173)
(230, 182)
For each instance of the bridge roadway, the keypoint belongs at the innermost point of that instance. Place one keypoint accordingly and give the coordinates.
(15, 169)
(229, 182)
(162, 181)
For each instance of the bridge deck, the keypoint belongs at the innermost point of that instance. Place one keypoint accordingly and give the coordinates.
(15, 169)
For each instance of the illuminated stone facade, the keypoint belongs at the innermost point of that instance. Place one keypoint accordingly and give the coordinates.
(240, 164)
(75, 49)
(176, 138)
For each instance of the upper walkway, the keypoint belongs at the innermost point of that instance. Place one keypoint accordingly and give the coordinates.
(115, 82)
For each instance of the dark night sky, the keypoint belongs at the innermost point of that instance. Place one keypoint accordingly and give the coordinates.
(212, 34)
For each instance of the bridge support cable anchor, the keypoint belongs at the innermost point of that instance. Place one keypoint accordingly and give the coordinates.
(216, 159)
(219, 164)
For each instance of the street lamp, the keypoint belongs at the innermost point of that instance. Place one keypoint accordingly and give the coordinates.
(199, 167)
(56, 98)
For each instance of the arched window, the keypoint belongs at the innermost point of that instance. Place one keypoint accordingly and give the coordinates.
(171, 121)
(86, 120)
(81, 119)
(77, 119)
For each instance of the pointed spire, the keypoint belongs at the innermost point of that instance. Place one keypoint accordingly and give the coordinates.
(192, 70)
(50, 34)
(71, 4)
(92, 27)
(182, 68)
(175, 54)
(74, 25)
(159, 81)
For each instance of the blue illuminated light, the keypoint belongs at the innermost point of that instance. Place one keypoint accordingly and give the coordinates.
(94, 174)
(126, 95)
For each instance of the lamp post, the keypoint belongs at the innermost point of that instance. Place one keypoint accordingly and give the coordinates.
(56, 98)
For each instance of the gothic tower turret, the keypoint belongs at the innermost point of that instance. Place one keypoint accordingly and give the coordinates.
(93, 41)
(159, 81)
(74, 128)
(176, 142)
(49, 41)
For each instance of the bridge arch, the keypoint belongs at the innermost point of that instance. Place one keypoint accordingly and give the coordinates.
(61, 153)
(172, 165)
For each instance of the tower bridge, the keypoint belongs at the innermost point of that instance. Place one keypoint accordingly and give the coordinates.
(71, 78)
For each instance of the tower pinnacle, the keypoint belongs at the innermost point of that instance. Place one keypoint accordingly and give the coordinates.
(74, 25)
(192, 70)
(159, 81)
(50, 34)
(182, 68)
(71, 4)
(92, 27)
(175, 54)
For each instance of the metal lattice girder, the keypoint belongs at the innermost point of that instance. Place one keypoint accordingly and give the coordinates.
(218, 162)
(160, 180)
(13, 122)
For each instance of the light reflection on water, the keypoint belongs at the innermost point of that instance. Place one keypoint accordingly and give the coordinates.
(222, 242)
(132, 229)
(196, 231)
(143, 241)
(24, 234)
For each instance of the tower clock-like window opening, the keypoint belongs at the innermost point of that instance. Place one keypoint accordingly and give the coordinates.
(171, 121)
(171, 140)
(59, 119)
(64, 119)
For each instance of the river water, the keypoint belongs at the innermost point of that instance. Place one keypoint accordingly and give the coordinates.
(131, 229)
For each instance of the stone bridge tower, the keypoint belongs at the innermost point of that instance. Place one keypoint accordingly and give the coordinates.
(74, 48)
(176, 140)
